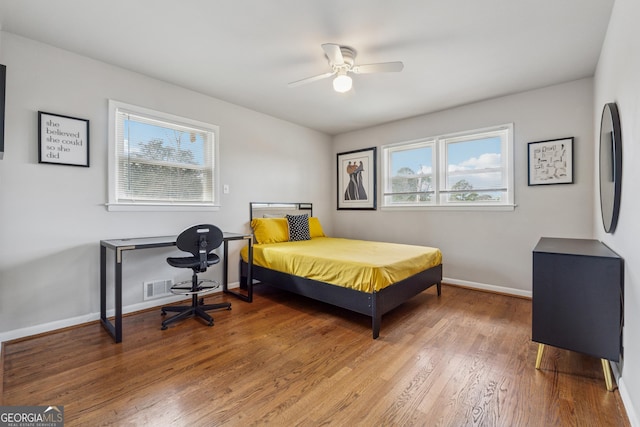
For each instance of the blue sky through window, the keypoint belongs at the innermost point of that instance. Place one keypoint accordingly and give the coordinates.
(476, 161)
(465, 155)
(137, 134)
(417, 159)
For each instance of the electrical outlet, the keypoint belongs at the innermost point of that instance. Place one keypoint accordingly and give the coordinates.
(225, 189)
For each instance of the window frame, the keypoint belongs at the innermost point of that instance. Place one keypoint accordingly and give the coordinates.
(387, 150)
(114, 204)
(440, 170)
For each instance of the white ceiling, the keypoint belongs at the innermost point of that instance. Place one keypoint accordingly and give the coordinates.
(246, 51)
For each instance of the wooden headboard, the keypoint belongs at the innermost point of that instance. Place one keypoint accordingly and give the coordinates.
(278, 209)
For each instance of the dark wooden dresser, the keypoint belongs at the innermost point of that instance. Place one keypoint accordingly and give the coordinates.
(578, 299)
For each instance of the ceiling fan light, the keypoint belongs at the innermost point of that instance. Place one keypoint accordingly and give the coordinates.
(342, 83)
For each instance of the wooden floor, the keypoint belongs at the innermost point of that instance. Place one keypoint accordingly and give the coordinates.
(465, 358)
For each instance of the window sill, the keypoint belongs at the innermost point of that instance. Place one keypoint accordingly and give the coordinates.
(450, 208)
(150, 207)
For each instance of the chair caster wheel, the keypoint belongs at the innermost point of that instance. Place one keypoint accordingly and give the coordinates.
(229, 308)
(163, 328)
(164, 313)
(201, 301)
(210, 324)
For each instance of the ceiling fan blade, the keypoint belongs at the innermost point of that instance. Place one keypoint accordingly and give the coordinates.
(382, 67)
(333, 53)
(311, 79)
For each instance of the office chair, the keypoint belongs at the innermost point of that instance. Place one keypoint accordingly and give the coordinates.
(199, 240)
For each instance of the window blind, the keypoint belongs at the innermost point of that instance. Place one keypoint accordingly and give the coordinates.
(162, 161)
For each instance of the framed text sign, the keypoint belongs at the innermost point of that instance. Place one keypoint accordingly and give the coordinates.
(63, 140)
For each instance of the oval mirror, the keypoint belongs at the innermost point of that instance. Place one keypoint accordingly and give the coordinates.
(610, 166)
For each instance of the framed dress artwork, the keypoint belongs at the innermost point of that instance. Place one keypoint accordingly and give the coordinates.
(357, 179)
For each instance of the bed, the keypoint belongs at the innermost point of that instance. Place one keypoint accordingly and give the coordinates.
(291, 252)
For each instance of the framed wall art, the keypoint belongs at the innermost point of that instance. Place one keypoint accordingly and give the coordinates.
(63, 140)
(551, 162)
(357, 179)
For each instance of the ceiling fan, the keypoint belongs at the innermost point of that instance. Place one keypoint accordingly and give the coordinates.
(342, 63)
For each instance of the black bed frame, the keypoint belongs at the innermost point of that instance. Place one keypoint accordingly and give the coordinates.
(370, 304)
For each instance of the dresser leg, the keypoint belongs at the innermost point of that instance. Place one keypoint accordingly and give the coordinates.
(606, 368)
(539, 357)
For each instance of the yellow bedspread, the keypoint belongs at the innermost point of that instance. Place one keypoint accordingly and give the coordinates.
(358, 264)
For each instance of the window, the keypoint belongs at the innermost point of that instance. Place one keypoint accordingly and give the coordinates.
(157, 160)
(467, 169)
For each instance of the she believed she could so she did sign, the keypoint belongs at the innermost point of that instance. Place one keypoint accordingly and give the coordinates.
(63, 140)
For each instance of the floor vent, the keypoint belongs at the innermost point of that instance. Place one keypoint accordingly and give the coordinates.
(157, 289)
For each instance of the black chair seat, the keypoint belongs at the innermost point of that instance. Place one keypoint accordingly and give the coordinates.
(192, 262)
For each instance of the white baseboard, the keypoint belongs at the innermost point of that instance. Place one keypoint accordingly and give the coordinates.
(624, 395)
(47, 327)
(486, 287)
(628, 404)
(74, 321)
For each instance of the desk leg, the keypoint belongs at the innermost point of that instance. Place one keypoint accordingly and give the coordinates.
(118, 319)
(225, 283)
(114, 330)
(103, 284)
(225, 267)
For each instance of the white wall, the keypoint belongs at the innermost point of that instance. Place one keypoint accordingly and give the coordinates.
(492, 250)
(617, 80)
(52, 217)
